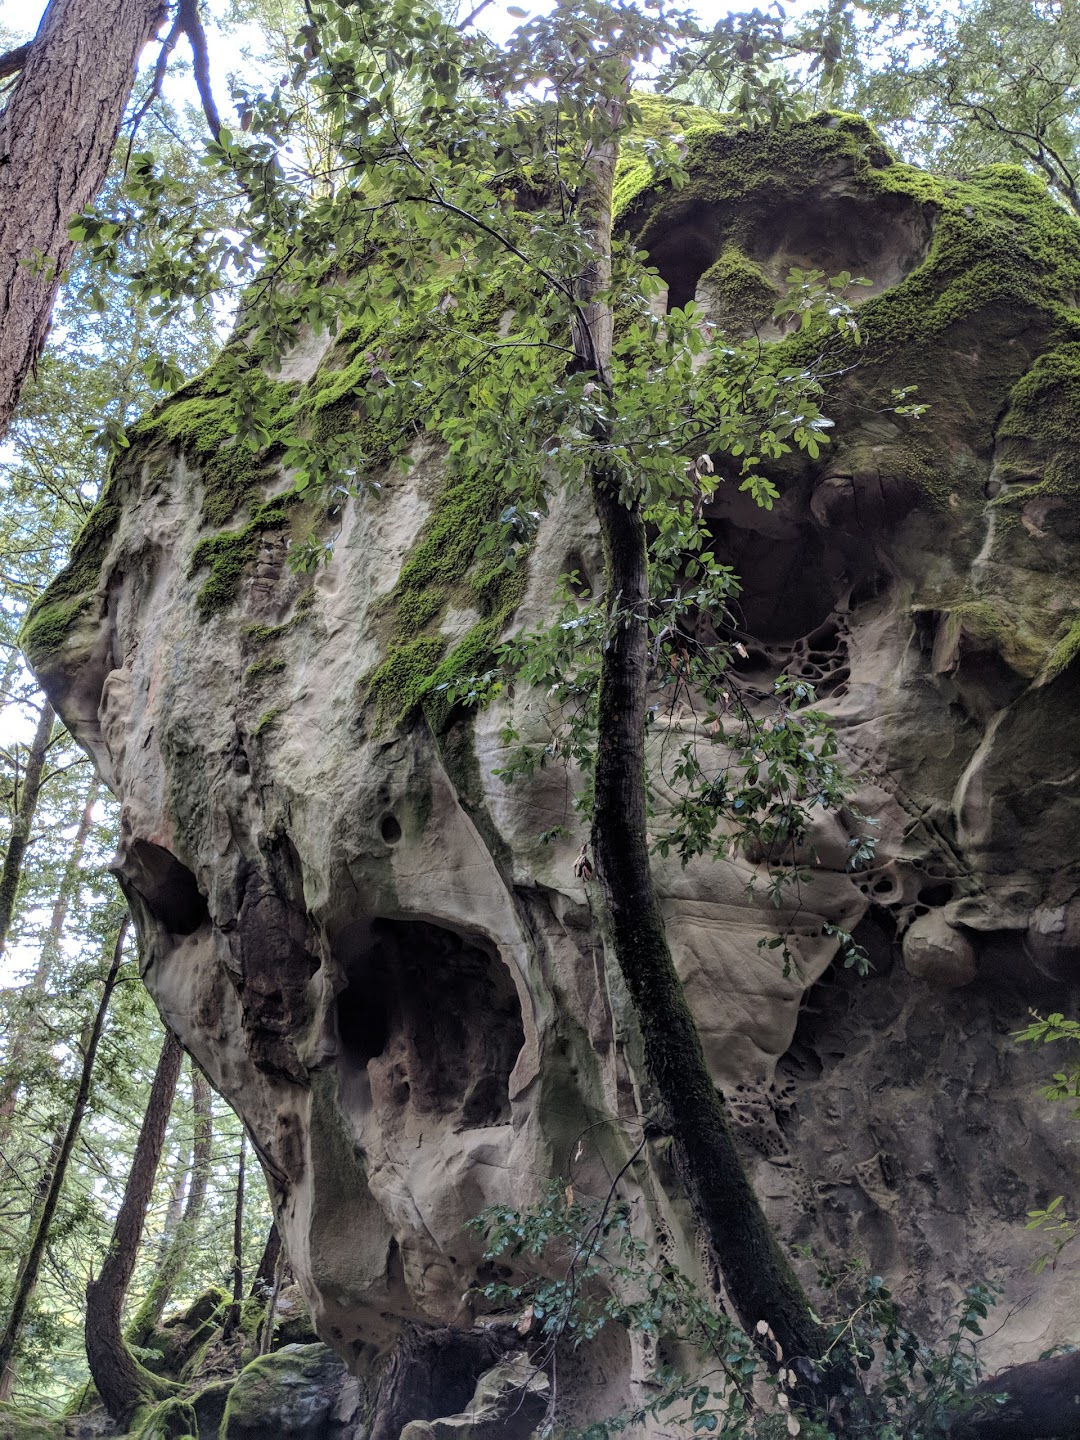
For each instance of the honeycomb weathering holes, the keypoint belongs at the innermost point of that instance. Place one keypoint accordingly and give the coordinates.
(434, 1017)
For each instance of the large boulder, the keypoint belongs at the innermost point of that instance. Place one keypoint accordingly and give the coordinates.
(354, 924)
(293, 1394)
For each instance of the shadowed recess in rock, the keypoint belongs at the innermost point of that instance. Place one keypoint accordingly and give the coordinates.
(876, 241)
(432, 1016)
(168, 887)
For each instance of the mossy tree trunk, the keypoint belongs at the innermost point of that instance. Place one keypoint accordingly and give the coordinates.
(31, 1263)
(121, 1381)
(29, 794)
(182, 1244)
(756, 1273)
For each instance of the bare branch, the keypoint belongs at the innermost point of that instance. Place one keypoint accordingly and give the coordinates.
(190, 21)
(13, 60)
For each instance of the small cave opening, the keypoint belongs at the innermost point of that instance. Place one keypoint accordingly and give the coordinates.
(167, 887)
(432, 1016)
(791, 584)
(685, 252)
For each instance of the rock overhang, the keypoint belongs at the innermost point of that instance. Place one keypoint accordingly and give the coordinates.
(323, 862)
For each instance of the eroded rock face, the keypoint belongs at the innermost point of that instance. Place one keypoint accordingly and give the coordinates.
(353, 925)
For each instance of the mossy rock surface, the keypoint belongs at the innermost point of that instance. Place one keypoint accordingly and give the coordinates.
(173, 1419)
(16, 1424)
(289, 1394)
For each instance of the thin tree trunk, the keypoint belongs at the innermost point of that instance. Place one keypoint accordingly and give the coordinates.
(11, 1079)
(757, 1275)
(121, 1381)
(175, 1210)
(11, 872)
(233, 1318)
(183, 1242)
(31, 1265)
(263, 1282)
(57, 134)
(266, 1340)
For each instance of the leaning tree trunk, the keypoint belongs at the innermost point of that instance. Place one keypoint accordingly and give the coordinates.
(31, 1264)
(182, 1244)
(56, 139)
(232, 1319)
(20, 1041)
(756, 1273)
(121, 1381)
(11, 872)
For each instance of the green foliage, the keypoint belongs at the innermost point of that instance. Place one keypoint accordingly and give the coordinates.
(1056, 1219)
(576, 1267)
(959, 87)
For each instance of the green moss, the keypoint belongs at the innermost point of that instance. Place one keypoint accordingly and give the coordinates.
(202, 423)
(742, 297)
(50, 618)
(994, 623)
(271, 665)
(266, 634)
(658, 118)
(228, 554)
(266, 720)
(1064, 652)
(17, 1424)
(290, 1392)
(1037, 435)
(994, 258)
(397, 686)
(171, 1420)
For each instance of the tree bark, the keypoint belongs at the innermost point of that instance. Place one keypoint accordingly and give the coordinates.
(11, 872)
(757, 1275)
(232, 1320)
(263, 1282)
(1043, 1401)
(11, 1080)
(121, 1381)
(183, 1242)
(57, 134)
(31, 1265)
(266, 1338)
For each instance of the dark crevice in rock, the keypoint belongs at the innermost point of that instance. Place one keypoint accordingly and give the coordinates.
(167, 887)
(432, 1373)
(433, 1018)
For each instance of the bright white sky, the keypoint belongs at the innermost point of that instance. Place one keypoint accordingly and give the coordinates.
(23, 16)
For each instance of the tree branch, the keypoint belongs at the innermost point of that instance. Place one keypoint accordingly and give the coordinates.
(13, 60)
(190, 21)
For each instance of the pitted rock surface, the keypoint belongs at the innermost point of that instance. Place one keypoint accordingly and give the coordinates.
(353, 924)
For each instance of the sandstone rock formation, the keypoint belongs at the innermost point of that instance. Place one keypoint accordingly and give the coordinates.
(353, 924)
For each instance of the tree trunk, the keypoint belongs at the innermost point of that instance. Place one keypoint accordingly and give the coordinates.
(11, 873)
(183, 1242)
(232, 1320)
(175, 1210)
(121, 1381)
(11, 1079)
(31, 1264)
(757, 1275)
(263, 1283)
(56, 140)
(266, 1339)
